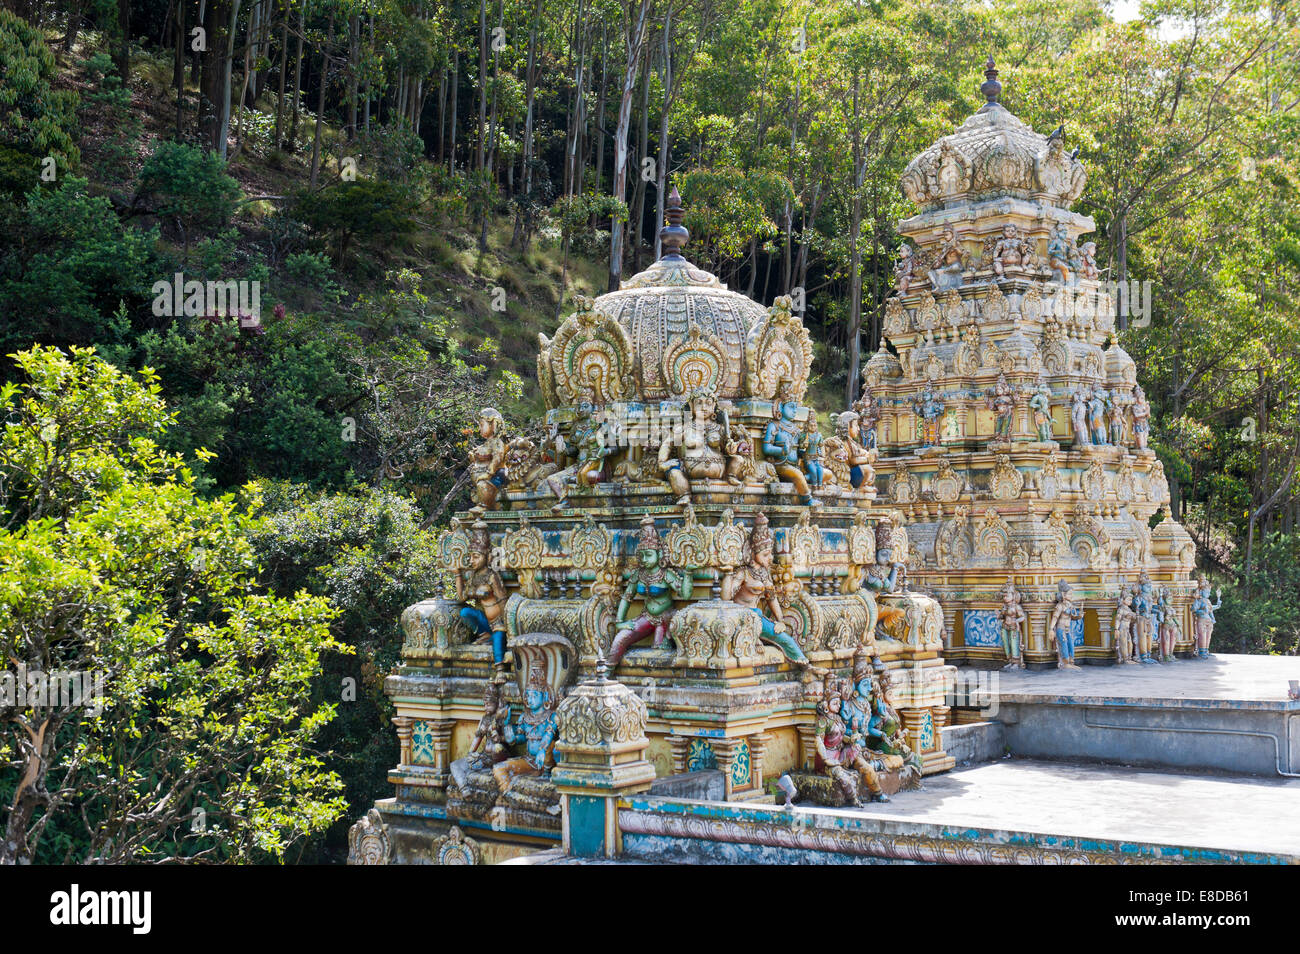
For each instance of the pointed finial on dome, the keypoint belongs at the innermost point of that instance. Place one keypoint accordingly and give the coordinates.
(991, 88)
(674, 235)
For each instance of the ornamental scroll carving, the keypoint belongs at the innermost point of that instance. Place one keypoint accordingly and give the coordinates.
(778, 347)
(589, 359)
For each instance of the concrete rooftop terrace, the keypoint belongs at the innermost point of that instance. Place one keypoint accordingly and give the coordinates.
(1223, 681)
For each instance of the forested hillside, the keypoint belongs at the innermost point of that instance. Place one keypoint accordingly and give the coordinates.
(404, 194)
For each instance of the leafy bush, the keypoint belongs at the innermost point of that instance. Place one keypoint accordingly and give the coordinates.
(36, 120)
(70, 271)
(365, 209)
(112, 564)
(188, 185)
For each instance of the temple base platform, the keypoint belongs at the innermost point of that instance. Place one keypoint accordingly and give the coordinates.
(1009, 812)
(1229, 713)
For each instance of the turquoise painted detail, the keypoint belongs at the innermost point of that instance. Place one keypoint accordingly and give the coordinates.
(586, 826)
(981, 628)
(699, 756)
(740, 765)
(1076, 631)
(421, 744)
(927, 732)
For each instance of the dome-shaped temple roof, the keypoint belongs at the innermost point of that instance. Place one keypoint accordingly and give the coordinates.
(670, 329)
(994, 154)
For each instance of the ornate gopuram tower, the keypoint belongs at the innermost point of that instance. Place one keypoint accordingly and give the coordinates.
(1010, 428)
(677, 523)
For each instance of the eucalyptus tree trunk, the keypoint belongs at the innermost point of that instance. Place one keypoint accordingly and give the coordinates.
(635, 44)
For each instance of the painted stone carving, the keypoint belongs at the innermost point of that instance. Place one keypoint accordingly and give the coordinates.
(655, 585)
(751, 586)
(1059, 627)
(1203, 609)
(1011, 616)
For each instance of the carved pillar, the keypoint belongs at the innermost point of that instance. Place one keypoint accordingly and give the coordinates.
(405, 726)
(679, 744)
(442, 729)
(724, 750)
(807, 745)
(913, 720)
(757, 747)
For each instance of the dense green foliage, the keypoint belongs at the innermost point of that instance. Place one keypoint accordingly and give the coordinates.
(430, 190)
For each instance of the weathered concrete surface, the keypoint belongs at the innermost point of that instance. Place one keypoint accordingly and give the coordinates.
(1230, 713)
(974, 742)
(707, 785)
(1011, 812)
(1223, 681)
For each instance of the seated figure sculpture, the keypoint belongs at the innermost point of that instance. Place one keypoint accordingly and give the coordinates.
(480, 584)
(487, 461)
(535, 732)
(699, 448)
(751, 586)
(654, 584)
(840, 757)
(781, 443)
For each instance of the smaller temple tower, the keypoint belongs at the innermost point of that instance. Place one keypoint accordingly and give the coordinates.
(1012, 432)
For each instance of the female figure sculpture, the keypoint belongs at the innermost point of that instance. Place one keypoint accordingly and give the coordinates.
(1168, 626)
(655, 585)
(751, 586)
(810, 447)
(1141, 412)
(1079, 417)
(849, 430)
(481, 585)
(1203, 609)
(489, 743)
(1063, 613)
(1097, 415)
(487, 461)
(700, 445)
(1126, 620)
(929, 408)
(1012, 616)
(1003, 404)
(1147, 607)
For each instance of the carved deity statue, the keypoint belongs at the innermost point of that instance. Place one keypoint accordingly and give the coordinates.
(481, 588)
(883, 576)
(811, 449)
(1063, 613)
(1141, 412)
(488, 746)
(1062, 255)
(1125, 627)
(535, 731)
(1011, 251)
(487, 461)
(1168, 631)
(1115, 418)
(781, 443)
(1203, 610)
(1002, 402)
(1147, 606)
(700, 446)
(751, 586)
(848, 428)
(1011, 615)
(929, 408)
(1097, 402)
(903, 268)
(1088, 260)
(867, 409)
(1040, 403)
(655, 585)
(840, 757)
(1079, 416)
(949, 261)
